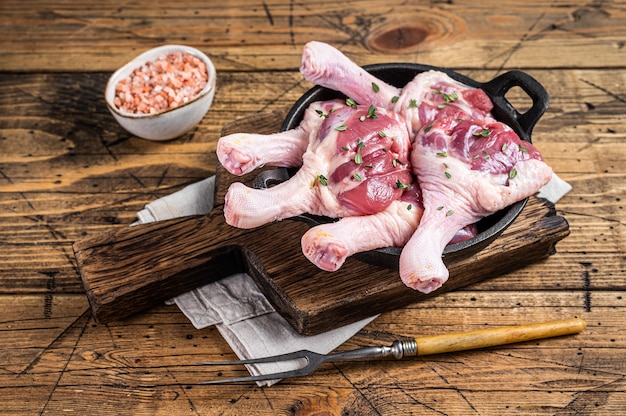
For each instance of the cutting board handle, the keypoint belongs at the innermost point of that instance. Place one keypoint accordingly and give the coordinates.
(129, 269)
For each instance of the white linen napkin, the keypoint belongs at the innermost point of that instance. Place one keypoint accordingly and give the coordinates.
(236, 306)
(554, 190)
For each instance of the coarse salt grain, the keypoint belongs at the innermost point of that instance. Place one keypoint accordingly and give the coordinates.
(168, 82)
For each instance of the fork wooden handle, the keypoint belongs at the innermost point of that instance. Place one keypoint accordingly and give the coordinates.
(490, 337)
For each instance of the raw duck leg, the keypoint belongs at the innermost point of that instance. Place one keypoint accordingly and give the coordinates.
(467, 170)
(329, 245)
(241, 153)
(356, 163)
(324, 65)
(430, 95)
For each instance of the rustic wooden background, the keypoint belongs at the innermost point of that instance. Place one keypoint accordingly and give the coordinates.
(67, 170)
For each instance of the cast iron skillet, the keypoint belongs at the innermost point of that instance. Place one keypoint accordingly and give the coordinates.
(398, 75)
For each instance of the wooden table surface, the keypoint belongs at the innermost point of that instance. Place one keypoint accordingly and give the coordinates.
(68, 170)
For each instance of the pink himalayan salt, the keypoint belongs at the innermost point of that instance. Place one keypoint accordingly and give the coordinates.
(168, 82)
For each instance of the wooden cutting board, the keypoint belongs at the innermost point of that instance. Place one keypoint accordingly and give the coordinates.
(129, 269)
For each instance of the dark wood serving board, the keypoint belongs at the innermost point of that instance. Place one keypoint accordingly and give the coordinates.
(129, 269)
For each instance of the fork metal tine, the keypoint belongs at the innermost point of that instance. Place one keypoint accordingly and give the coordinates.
(303, 370)
(271, 359)
(313, 361)
(299, 372)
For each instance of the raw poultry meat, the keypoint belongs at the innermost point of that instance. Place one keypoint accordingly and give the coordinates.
(329, 245)
(430, 95)
(467, 164)
(467, 169)
(355, 163)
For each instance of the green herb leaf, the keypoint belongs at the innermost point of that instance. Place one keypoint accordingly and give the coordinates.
(321, 179)
(341, 127)
(346, 148)
(395, 99)
(443, 153)
(447, 97)
(522, 149)
(375, 87)
(447, 175)
(382, 134)
(427, 128)
(357, 177)
(512, 173)
(504, 146)
(449, 213)
(409, 207)
(439, 208)
(350, 102)
(400, 185)
(450, 97)
(371, 112)
(413, 103)
(321, 113)
(484, 132)
(358, 159)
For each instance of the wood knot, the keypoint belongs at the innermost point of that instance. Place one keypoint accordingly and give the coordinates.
(90, 355)
(419, 29)
(400, 38)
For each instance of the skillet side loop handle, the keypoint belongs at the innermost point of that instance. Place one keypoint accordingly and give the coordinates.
(498, 87)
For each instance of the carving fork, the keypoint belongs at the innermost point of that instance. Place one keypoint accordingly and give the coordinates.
(436, 344)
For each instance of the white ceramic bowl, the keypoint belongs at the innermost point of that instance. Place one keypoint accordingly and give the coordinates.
(168, 124)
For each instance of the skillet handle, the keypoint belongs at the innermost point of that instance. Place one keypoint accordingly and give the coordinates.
(499, 86)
